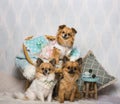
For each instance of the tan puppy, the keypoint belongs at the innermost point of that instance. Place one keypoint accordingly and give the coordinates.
(65, 39)
(42, 86)
(68, 89)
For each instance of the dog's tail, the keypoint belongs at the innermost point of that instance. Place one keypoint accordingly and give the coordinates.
(19, 95)
(27, 56)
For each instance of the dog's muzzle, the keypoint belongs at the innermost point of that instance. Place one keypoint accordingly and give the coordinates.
(71, 71)
(46, 72)
(65, 36)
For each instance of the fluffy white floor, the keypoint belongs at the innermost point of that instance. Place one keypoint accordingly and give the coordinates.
(10, 85)
(8, 98)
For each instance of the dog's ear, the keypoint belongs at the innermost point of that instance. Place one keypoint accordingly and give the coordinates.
(53, 62)
(74, 31)
(39, 62)
(61, 27)
(79, 61)
(65, 59)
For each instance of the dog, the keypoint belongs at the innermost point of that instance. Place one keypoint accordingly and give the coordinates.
(64, 42)
(68, 88)
(42, 86)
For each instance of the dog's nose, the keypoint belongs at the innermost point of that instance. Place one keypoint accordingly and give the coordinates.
(71, 71)
(65, 36)
(45, 71)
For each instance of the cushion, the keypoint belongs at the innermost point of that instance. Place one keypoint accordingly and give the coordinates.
(36, 44)
(90, 62)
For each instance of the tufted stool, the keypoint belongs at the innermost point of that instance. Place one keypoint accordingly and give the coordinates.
(90, 87)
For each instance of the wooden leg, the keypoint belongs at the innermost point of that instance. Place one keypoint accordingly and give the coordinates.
(95, 89)
(91, 89)
(84, 86)
(87, 90)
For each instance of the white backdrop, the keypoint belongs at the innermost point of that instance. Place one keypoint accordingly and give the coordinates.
(97, 23)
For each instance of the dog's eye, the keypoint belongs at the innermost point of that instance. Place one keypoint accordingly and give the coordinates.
(75, 68)
(68, 34)
(42, 68)
(49, 69)
(63, 32)
(68, 67)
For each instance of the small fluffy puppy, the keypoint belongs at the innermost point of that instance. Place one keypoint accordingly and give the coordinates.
(42, 86)
(64, 42)
(68, 88)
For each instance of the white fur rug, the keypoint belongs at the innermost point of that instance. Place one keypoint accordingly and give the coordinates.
(9, 85)
(8, 98)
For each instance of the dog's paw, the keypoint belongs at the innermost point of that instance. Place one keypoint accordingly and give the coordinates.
(29, 37)
(50, 37)
(18, 95)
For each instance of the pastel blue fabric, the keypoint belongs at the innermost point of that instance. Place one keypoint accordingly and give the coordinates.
(21, 62)
(35, 45)
(74, 54)
(89, 79)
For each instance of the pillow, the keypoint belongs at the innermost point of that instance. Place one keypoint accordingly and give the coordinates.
(90, 62)
(35, 45)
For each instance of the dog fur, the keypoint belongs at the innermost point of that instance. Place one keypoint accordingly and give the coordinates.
(65, 38)
(68, 89)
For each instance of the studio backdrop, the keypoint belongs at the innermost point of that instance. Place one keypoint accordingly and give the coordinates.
(97, 23)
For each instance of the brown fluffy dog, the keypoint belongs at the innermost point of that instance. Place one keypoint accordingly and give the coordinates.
(65, 38)
(68, 89)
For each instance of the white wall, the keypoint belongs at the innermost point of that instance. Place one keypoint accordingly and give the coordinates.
(97, 23)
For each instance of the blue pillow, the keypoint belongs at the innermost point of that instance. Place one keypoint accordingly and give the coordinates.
(35, 45)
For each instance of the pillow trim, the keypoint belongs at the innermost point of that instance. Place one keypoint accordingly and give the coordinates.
(109, 83)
